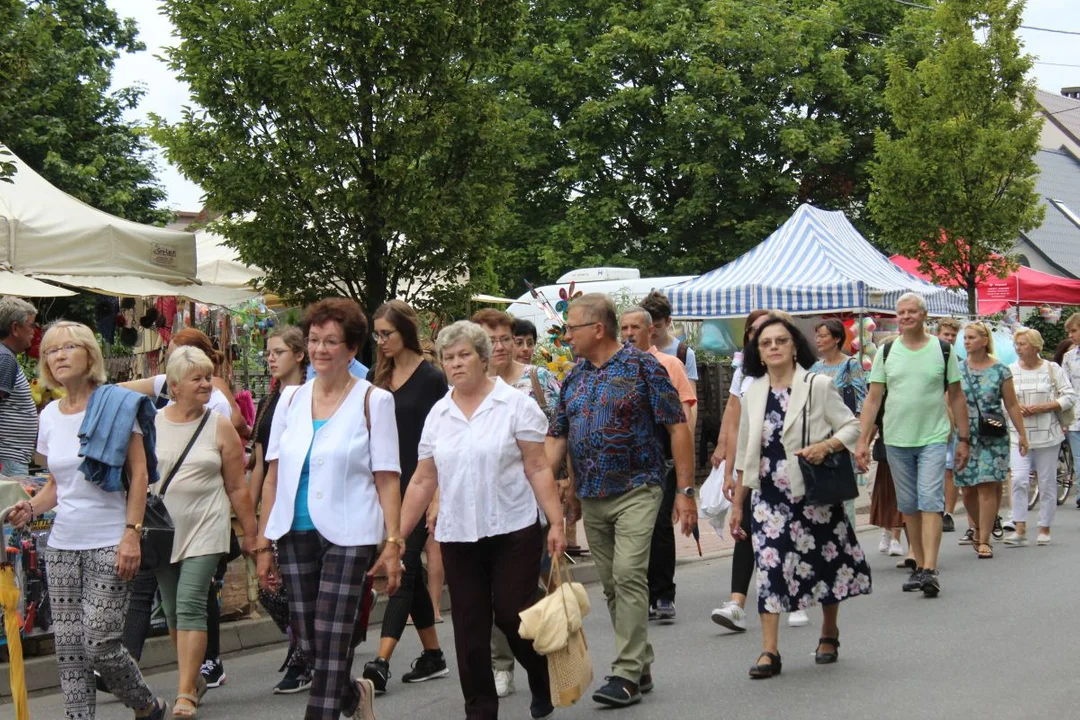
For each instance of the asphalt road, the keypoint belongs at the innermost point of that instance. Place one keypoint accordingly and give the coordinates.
(1000, 642)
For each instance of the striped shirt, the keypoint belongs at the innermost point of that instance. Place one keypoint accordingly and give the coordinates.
(18, 414)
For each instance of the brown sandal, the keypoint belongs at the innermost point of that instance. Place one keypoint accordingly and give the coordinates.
(983, 551)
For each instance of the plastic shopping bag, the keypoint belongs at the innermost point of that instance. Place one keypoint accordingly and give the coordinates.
(714, 506)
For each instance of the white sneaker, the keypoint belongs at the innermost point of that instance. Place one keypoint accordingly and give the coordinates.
(895, 548)
(731, 616)
(1014, 539)
(886, 538)
(799, 618)
(504, 683)
(1043, 539)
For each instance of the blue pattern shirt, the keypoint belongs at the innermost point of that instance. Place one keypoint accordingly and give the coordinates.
(611, 416)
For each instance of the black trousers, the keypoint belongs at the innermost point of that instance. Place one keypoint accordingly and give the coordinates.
(493, 578)
(141, 604)
(742, 561)
(412, 597)
(662, 557)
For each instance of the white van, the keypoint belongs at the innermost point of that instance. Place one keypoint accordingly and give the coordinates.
(617, 282)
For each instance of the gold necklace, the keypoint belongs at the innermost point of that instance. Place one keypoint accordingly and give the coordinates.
(341, 396)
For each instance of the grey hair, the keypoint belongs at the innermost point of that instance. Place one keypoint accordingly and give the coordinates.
(638, 310)
(14, 310)
(183, 360)
(918, 299)
(598, 307)
(464, 331)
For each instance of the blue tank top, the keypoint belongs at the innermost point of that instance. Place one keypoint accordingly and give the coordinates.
(301, 515)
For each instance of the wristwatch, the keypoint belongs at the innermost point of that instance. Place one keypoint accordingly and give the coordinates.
(399, 541)
(689, 492)
(137, 527)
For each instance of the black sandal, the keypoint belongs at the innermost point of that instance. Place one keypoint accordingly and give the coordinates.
(760, 672)
(826, 658)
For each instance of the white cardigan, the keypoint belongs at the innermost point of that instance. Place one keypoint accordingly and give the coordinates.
(342, 498)
(828, 416)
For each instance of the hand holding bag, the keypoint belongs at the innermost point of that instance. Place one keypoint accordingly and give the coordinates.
(991, 424)
(158, 531)
(570, 670)
(833, 481)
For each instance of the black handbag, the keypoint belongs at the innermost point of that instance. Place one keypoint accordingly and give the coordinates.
(158, 531)
(833, 481)
(991, 424)
(848, 391)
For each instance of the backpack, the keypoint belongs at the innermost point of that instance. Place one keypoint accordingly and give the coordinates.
(946, 351)
(680, 352)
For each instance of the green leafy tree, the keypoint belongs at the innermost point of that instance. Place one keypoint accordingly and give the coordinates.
(674, 135)
(357, 147)
(956, 184)
(58, 113)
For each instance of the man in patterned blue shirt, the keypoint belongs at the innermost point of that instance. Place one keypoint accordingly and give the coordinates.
(613, 404)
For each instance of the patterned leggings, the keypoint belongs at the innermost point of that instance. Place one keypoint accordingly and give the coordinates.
(326, 583)
(89, 603)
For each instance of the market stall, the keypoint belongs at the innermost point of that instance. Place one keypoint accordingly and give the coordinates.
(815, 263)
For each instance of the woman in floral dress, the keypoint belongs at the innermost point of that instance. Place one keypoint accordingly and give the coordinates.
(987, 383)
(806, 554)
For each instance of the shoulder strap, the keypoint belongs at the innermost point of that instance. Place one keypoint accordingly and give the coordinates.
(538, 392)
(367, 407)
(809, 377)
(946, 351)
(680, 352)
(183, 455)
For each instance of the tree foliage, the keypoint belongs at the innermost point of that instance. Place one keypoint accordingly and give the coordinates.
(674, 135)
(357, 147)
(956, 185)
(58, 113)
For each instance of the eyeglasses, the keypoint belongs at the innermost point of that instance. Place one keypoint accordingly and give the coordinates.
(572, 328)
(381, 336)
(524, 342)
(330, 344)
(778, 342)
(504, 341)
(68, 348)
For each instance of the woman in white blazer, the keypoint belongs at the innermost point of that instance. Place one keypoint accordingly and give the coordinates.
(805, 554)
(331, 495)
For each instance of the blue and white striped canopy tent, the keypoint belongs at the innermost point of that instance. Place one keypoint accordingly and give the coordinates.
(816, 262)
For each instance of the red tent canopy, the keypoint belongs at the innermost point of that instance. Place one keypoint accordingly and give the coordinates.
(1023, 287)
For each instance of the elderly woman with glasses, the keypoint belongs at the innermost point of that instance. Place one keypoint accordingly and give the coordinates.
(483, 449)
(93, 551)
(332, 493)
(806, 554)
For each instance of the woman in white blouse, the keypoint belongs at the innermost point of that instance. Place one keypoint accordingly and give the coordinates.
(332, 493)
(1043, 391)
(483, 449)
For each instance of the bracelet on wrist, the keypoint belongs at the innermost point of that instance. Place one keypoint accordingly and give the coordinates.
(264, 549)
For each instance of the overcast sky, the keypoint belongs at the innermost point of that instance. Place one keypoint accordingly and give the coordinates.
(166, 96)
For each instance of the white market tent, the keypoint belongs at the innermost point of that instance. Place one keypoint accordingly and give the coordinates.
(220, 265)
(816, 262)
(49, 235)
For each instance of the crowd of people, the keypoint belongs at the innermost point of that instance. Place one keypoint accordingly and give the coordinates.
(465, 460)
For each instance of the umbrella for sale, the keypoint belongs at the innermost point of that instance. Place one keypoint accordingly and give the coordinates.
(9, 601)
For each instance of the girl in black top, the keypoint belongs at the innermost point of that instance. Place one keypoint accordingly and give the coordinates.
(417, 385)
(286, 356)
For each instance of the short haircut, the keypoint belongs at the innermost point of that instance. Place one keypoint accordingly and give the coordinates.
(183, 360)
(984, 330)
(1034, 337)
(948, 322)
(342, 311)
(754, 366)
(493, 318)
(1071, 322)
(638, 310)
(464, 331)
(658, 305)
(523, 328)
(14, 310)
(598, 307)
(835, 328)
(57, 334)
(912, 297)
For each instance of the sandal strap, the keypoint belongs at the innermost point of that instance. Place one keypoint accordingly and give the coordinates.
(835, 642)
(190, 698)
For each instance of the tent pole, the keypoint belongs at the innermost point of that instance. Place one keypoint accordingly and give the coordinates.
(861, 344)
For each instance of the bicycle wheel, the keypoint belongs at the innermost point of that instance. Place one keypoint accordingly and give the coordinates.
(1066, 476)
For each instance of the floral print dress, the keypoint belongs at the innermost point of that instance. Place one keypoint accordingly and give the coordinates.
(989, 459)
(806, 554)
